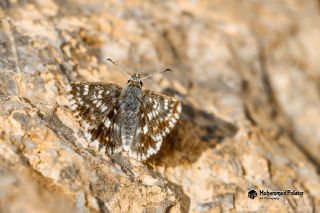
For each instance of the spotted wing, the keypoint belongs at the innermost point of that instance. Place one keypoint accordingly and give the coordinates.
(158, 116)
(95, 105)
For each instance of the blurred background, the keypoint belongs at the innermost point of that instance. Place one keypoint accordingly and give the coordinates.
(247, 73)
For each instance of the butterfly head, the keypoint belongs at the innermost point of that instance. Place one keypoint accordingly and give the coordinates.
(135, 80)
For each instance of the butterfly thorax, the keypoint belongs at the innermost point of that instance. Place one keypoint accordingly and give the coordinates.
(129, 104)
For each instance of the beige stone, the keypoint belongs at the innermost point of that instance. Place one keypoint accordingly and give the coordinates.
(247, 73)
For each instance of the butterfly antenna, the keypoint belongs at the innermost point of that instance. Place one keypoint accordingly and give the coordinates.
(121, 68)
(148, 76)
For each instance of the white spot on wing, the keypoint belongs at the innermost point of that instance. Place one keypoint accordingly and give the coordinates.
(151, 151)
(72, 102)
(145, 129)
(85, 125)
(154, 114)
(86, 90)
(158, 145)
(158, 138)
(166, 103)
(99, 103)
(107, 123)
(171, 125)
(179, 107)
(104, 108)
(155, 105)
(95, 144)
(87, 135)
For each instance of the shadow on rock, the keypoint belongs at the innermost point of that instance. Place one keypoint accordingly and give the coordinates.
(195, 132)
(183, 198)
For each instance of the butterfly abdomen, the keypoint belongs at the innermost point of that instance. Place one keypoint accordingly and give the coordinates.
(129, 103)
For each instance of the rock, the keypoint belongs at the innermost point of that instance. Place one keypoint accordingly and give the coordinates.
(247, 74)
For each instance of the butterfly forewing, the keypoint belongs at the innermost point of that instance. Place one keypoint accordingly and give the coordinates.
(158, 116)
(96, 107)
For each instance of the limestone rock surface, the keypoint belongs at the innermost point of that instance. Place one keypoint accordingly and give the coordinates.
(246, 72)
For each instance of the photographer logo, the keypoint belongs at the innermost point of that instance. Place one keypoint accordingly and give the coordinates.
(252, 194)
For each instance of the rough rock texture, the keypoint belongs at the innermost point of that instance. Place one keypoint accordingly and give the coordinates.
(247, 73)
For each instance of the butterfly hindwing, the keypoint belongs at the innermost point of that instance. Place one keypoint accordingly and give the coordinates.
(96, 107)
(107, 136)
(158, 116)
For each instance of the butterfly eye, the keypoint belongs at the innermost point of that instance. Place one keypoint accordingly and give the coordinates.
(141, 83)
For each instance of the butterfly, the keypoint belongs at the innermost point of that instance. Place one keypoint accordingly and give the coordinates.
(129, 119)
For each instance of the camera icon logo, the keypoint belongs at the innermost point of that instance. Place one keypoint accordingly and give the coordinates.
(252, 194)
